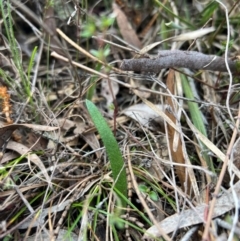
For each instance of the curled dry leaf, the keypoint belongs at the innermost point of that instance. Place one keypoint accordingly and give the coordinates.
(195, 216)
(144, 115)
(23, 150)
(194, 34)
(182, 37)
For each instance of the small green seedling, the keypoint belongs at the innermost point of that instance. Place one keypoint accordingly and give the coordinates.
(148, 192)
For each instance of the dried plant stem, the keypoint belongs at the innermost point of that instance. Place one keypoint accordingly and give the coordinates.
(181, 59)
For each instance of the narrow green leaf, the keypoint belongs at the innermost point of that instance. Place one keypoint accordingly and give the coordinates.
(196, 118)
(31, 62)
(112, 149)
(208, 11)
(168, 10)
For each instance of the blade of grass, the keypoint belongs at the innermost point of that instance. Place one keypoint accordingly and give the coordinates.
(31, 63)
(112, 149)
(208, 12)
(197, 119)
(174, 15)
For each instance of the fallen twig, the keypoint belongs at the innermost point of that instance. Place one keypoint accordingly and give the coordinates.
(182, 59)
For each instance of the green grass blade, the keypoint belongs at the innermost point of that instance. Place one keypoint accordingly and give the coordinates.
(112, 149)
(160, 4)
(31, 63)
(196, 118)
(208, 12)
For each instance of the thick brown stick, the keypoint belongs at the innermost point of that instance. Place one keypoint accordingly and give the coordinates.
(180, 59)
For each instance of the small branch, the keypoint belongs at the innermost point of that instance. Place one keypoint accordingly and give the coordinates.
(180, 59)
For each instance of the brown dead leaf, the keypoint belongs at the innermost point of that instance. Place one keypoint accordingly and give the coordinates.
(6, 131)
(8, 157)
(40, 143)
(175, 144)
(128, 33)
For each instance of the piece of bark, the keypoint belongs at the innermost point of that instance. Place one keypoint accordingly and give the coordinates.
(180, 59)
